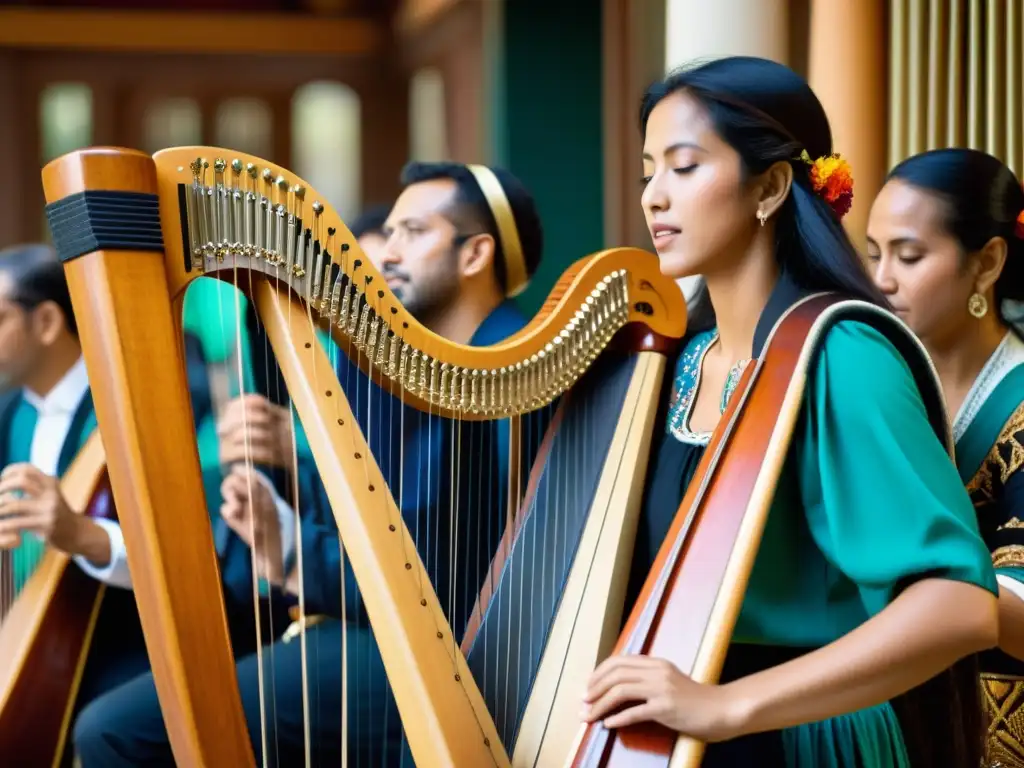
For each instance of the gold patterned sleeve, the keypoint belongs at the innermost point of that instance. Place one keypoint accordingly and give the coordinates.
(997, 490)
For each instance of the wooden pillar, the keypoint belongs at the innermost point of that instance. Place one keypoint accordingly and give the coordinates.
(11, 211)
(384, 117)
(449, 36)
(108, 125)
(847, 69)
(462, 68)
(634, 57)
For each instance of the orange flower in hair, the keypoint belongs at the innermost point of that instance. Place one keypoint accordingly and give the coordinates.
(1018, 228)
(832, 179)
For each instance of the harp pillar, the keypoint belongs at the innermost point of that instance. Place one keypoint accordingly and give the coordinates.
(103, 211)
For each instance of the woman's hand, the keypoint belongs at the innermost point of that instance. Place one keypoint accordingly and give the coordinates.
(641, 689)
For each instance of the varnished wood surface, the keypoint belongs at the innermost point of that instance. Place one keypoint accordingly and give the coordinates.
(655, 300)
(123, 301)
(130, 341)
(445, 720)
(634, 337)
(691, 624)
(589, 614)
(46, 636)
(188, 32)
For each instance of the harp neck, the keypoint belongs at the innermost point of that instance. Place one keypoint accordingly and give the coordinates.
(238, 213)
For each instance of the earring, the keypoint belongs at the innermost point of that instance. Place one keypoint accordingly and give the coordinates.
(977, 305)
(762, 216)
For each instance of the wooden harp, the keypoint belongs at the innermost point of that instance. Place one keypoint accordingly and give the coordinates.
(46, 632)
(134, 230)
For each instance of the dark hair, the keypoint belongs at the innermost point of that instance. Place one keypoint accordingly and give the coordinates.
(982, 200)
(471, 214)
(767, 113)
(37, 276)
(370, 222)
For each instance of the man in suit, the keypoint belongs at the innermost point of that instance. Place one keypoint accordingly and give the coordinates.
(45, 419)
(447, 261)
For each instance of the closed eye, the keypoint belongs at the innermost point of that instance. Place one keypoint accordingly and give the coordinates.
(685, 169)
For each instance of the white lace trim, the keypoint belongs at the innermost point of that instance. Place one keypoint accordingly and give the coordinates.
(1008, 355)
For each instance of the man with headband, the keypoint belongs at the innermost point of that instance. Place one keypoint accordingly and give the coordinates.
(461, 242)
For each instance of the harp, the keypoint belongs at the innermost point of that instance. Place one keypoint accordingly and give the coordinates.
(46, 628)
(134, 230)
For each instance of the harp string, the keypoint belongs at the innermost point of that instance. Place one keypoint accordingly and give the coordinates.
(270, 373)
(401, 499)
(297, 205)
(249, 465)
(334, 354)
(378, 422)
(592, 563)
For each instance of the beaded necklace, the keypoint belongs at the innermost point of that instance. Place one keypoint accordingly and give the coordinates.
(687, 379)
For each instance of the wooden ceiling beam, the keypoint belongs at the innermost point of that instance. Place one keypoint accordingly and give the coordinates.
(188, 32)
(413, 16)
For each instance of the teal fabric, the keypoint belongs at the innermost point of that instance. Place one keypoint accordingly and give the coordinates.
(984, 429)
(1017, 574)
(211, 313)
(868, 501)
(18, 448)
(873, 733)
(20, 426)
(215, 312)
(843, 536)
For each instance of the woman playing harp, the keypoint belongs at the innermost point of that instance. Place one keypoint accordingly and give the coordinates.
(871, 575)
(454, 268)
(946, 241)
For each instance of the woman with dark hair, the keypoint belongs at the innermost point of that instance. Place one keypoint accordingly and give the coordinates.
(946, 242)
(871, 577)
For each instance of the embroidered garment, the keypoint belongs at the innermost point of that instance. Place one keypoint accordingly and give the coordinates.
(687, 382)
(989, 432)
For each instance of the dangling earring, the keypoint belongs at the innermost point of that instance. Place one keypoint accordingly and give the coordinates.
(762, 216)
(977, 305)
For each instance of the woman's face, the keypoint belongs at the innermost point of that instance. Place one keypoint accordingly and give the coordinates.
(698, 210)
(916, 263)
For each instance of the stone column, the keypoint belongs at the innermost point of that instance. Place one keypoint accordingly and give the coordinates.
(697, 29)
(847, 69)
